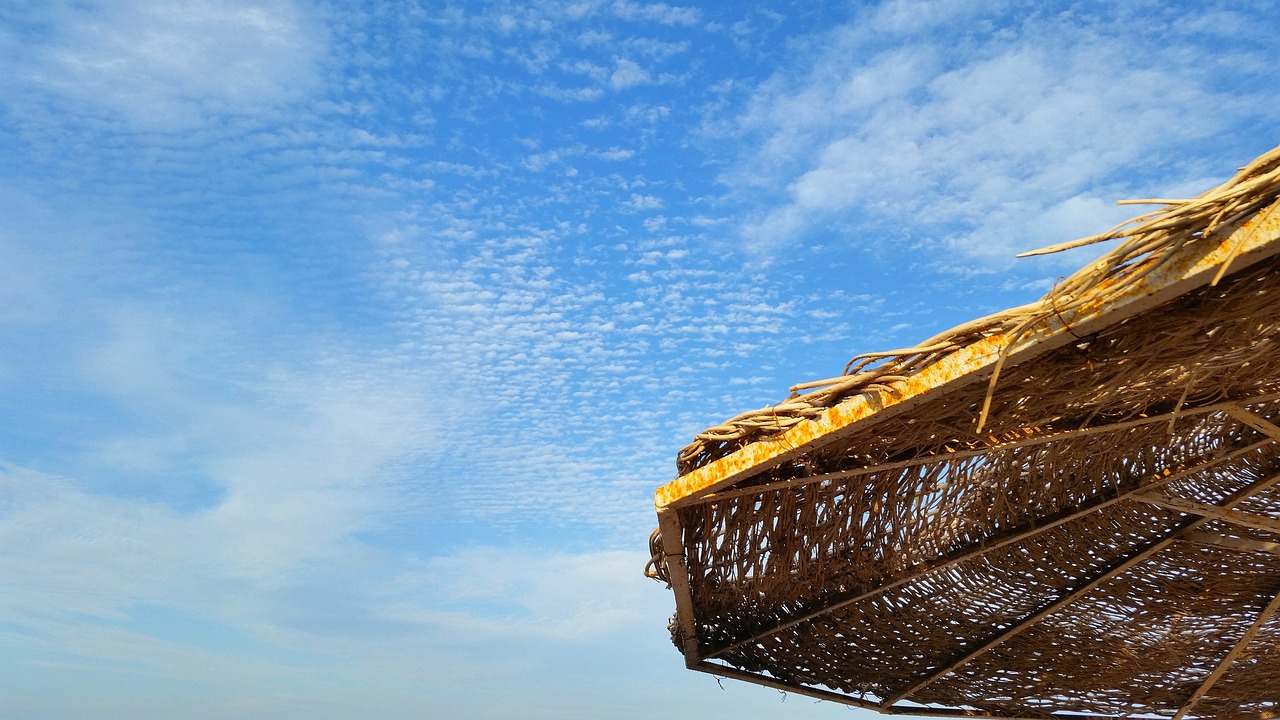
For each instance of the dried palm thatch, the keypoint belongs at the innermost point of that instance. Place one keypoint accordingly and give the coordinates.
(1071, 508)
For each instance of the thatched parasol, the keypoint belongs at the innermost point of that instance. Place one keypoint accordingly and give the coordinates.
(1071, 508)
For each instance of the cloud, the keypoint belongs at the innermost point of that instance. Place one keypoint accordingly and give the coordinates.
(643, 202)
(656, 12)
(285, 489)
(500, 592)
(563, 94)
(627, 74)
(906, 17)
(194, 602)
(160, 65)
(594, 349)
(616, 154)
(990, 146)
(186, 435)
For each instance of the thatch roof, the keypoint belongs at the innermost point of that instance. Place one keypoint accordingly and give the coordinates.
(1071, 507)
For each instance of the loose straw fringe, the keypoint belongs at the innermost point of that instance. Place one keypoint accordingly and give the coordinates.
(1151, 240)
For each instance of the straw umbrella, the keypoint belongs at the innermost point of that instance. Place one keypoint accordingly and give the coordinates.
(1070, 508)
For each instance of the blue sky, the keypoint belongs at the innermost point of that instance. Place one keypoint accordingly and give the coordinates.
(343, 344)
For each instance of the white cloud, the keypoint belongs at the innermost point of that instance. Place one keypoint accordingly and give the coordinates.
(286, 488)
(511, 593)
(161, 65)
(616, 154)
(643, 202)
(1014, 144)
(580, 94)
(656, 12)
(338, 626)
(627, 74)
(908, 16)
(194, 441)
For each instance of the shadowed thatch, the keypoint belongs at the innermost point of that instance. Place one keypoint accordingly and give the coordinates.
(1068, 507)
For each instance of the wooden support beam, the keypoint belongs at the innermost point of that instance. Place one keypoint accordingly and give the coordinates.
(1193, 507)
(1230, 657)
(718, 670)
(1201, 537)
(767, 681)
(1257, 422)
(1130, 562)
(673, 556)
(1016, 534)
(960, 713)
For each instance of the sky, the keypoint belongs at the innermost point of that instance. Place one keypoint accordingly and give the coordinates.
(343, 344)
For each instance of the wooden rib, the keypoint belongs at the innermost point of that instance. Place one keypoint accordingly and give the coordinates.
(965, 454)
(1078, 592)
(961, 713)
(1225, 663)
(1231, 543)
(837, 697)
(1017, 534)
(1255, 421)
(747, 676)
(1193, 507)
(673, 552)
